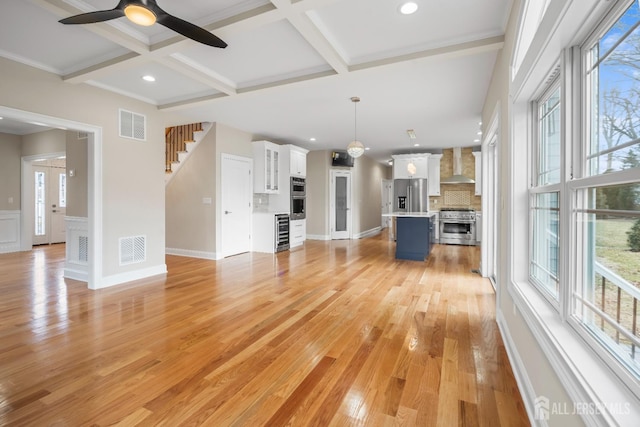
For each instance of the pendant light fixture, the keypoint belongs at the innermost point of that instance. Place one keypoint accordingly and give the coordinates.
(411, 167)
(355, 147)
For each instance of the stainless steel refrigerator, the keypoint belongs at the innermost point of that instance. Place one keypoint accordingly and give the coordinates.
(410, 195)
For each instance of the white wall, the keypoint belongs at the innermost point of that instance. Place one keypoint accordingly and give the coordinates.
(131, 171)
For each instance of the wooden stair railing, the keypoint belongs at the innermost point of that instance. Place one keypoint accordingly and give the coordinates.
(176, 139)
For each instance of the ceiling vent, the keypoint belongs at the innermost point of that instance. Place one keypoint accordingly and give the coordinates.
(133, 125)
(457, 177)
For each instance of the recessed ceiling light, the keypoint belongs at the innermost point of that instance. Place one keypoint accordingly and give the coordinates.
(479, 132)
(476, 140)
(367, 148)
(416, 145)
(148, 78)
(408, 8)
(1, 118)
(312, 139)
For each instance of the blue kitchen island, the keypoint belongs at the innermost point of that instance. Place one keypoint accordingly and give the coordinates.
(414, 234)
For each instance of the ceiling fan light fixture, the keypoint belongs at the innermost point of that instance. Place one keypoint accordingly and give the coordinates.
(140, 15)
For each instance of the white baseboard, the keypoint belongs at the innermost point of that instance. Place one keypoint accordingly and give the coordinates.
(368, 233)
(80, 275)
(318, 237)
(191, 254)
(130, 276)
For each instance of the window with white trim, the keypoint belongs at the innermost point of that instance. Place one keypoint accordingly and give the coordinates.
(545, 195)
(605, 197)
(592, 278)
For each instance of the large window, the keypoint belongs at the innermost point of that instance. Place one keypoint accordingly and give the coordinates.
(584, 223)
(607, 195)
(545, 208)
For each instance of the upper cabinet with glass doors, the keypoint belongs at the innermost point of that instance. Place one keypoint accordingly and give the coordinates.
(266, 159)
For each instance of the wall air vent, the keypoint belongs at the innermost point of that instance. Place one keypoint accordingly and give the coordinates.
(133, 250)
(83, 135)
(83, 249)
(133, 125)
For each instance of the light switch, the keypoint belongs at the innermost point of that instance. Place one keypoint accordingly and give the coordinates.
(206, 200)
(72, 172)
(10, 200)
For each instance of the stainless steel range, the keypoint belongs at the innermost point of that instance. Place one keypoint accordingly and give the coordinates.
(458, 226)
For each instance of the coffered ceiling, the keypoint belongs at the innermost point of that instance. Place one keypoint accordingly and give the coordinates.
(290, 67)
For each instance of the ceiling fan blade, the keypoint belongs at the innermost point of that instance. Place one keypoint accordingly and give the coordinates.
(190, 30)
(92, 17)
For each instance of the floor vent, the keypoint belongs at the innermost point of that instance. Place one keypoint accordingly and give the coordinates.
(133, 250)
(133, 125)
(83, 249)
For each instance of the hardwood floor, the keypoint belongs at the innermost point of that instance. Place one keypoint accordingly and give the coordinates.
(336, 333)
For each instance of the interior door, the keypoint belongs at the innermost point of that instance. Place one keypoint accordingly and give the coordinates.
(340, 205)
(58, 205)
(237, 195)
(49, 204)
(387, 202)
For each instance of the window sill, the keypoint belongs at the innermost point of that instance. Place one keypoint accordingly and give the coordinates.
(600, 397)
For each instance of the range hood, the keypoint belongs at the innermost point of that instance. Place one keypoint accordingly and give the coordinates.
(457, 177)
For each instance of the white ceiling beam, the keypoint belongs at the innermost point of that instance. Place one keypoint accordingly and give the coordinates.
(184, 66)
(461, 49)
(298, 18)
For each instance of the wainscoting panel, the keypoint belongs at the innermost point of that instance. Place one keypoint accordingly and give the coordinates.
(9, 231)
(77, 251)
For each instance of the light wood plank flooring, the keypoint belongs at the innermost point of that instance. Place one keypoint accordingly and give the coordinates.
(336, 333)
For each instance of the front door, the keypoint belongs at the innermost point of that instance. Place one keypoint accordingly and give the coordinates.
(49, 204)
(340, 204)
(237, 195)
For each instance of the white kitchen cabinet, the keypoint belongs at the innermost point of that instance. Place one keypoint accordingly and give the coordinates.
(297, 161)
(478, 158)
(297, 232)
(434, 174)
(401, 161)
(266, 165)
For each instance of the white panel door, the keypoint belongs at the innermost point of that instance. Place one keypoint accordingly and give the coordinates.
(58, 193)
(340, 205)
(49, 205)
(237, 195)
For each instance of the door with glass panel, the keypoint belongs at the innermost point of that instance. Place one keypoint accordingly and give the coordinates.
(340, 204)
(49, 204)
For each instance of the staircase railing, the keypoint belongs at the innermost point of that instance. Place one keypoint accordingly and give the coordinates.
(176, 139)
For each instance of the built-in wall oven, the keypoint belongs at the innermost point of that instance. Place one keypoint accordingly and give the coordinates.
(458, 226)
(298, 198)
(298, 187)
(282, 232)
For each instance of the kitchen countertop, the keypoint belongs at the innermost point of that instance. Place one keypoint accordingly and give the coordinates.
(411, 214)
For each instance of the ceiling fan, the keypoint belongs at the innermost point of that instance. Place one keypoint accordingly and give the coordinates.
(146, 13)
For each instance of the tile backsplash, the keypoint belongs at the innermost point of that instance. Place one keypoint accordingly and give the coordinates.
(456, 195)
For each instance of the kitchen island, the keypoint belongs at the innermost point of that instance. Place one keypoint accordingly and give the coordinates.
(414, 234)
